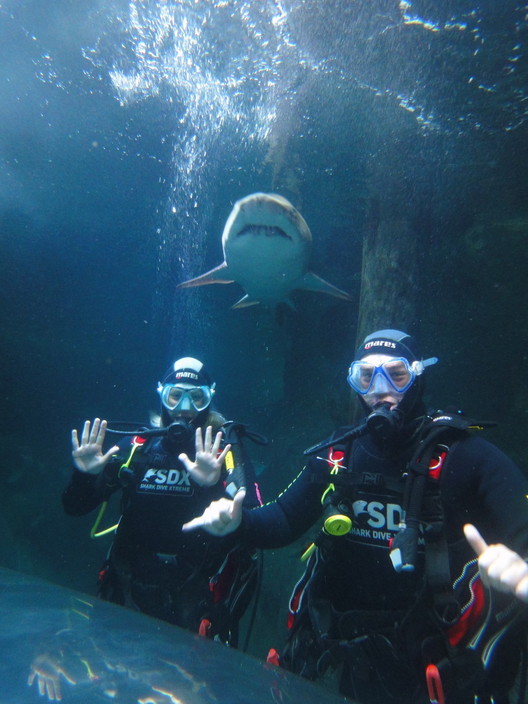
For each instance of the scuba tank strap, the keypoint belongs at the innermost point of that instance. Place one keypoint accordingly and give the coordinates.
(233, 432)
(441, 428)
(234, 464)
(240, 472)
(137, 441)
(423, 477)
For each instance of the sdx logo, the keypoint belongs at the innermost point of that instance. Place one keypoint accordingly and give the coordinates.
(166, 477)
(376, 514)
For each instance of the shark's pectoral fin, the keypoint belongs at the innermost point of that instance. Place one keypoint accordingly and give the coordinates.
(245, 302)
(218, 275)
(312, 282)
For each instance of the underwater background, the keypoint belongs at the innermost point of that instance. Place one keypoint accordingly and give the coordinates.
(127, 132)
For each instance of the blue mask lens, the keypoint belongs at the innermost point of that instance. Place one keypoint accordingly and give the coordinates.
(396, 374)
(393, 375)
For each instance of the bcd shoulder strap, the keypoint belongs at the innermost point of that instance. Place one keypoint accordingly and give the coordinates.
(443, 429)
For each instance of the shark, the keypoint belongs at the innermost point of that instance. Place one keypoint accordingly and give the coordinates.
(266, 244)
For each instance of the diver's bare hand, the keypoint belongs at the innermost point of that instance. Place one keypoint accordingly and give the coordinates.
(48, 673)
(88, 454)
(207, 466)
(220, 517)
(501, 568)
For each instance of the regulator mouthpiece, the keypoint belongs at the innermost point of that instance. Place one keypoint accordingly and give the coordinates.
(179, 430)
(383, 422)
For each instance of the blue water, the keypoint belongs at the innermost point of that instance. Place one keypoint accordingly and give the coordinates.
(129, 129)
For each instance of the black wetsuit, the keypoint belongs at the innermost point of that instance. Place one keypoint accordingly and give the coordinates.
(353, 588)
(152, 564)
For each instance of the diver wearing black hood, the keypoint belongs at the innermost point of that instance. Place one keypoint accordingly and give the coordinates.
(152, 566)
(395, 345)
(392, 593)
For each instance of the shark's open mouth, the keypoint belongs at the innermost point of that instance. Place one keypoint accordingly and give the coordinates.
(263, 230)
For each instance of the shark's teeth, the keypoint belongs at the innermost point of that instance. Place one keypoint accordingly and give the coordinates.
(263, 230)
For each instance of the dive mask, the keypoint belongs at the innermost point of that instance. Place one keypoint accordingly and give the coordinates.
(396, 374)
(184, 397)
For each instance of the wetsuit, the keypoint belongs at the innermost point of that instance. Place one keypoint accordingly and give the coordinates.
(152, 564)
(351, 588)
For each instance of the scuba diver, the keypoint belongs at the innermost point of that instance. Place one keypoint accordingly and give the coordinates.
(392, 594)
(193, 581)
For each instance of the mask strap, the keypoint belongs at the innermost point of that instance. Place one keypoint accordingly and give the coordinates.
(419, 365)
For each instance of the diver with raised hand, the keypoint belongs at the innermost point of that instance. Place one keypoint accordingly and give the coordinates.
(168, 473)
(392, 594)
(500, 568)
